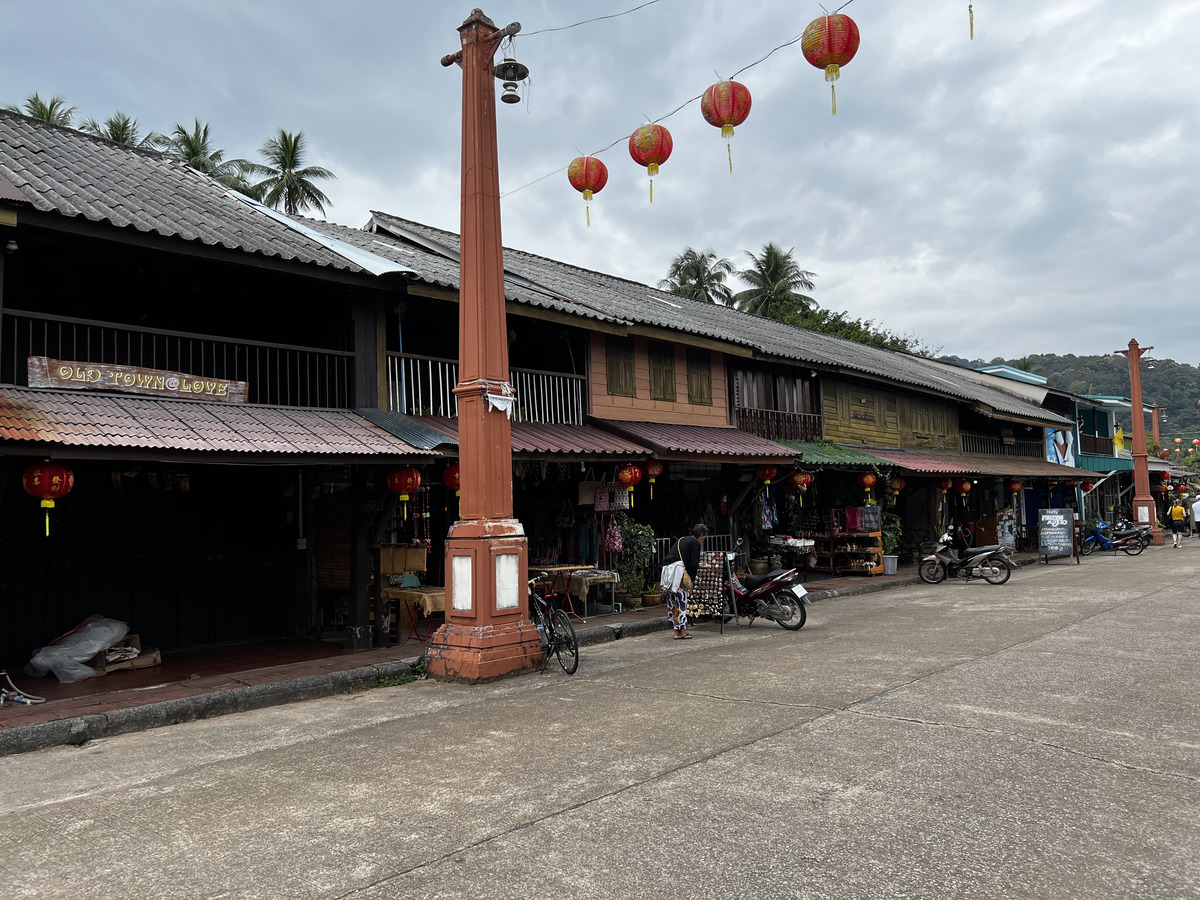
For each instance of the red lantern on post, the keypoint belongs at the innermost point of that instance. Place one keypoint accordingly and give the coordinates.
(867, 481)
(588, 176)
(650, 146)
(404, 482)
(48, 481)
(653, 469)
(726, 105)
(629, 475)
(765, 474)
(829, 42)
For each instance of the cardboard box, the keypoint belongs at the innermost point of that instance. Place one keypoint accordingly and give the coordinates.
(149, 656)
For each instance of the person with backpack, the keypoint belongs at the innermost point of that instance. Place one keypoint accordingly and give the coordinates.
(678, 572)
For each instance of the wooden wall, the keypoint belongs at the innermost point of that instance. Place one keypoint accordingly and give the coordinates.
(855, 412)
(641, 408)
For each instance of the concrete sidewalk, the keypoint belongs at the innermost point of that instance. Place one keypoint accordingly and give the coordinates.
(112, 712)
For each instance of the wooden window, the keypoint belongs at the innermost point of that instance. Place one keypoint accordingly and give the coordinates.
(699, 364)
(662, 370)
(619, 360)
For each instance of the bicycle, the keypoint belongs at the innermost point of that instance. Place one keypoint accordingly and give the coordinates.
(554, 628)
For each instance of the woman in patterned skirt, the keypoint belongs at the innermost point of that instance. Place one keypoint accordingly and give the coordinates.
(684, 557)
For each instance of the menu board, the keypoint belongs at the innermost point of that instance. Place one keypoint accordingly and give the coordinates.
(1006, 530)
(1056, 529)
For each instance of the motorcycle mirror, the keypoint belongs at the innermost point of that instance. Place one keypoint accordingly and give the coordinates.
(739, 542)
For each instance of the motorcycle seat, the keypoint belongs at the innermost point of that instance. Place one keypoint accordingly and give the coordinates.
(975, 551)
(1125, 532)
(753, 581)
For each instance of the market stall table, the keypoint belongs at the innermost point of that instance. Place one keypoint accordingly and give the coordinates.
(576, 582)
(427, 598)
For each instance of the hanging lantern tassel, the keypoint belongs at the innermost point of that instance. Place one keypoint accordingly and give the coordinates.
(47, 505)
(404, 500)
(832, 74)
(971, 15)
(587, 207)
(652, 170)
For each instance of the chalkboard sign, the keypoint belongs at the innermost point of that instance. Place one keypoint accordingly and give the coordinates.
(1056, 529)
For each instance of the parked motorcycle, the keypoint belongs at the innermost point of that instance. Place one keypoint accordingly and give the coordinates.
(1124, 525)
(778, 595)
(940, 561)
(1128, 541)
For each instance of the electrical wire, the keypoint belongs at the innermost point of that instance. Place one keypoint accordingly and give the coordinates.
(597, 19)
(16, 695)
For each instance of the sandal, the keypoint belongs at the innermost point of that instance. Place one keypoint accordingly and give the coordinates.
(683, 636)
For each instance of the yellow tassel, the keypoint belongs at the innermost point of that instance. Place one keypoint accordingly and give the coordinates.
(729, 150)
(651, 190)
(834, 89)
(589, 216)
(971, 14)
(47, 524)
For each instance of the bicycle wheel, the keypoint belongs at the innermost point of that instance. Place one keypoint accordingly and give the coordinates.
(932, 571)
(995, 570)
(1133, 548)
(1089, 546)
(794, 614)
(566, 648)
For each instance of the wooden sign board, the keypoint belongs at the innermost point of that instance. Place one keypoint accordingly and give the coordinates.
(1056, 532)
(56, 373)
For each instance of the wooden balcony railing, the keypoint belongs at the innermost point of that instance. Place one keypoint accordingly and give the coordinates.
(779, 426)
(994, 445)
(424, 386)
(1096, 446)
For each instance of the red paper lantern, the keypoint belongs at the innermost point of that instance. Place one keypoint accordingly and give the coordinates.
(629, 475)
(866, 480)
(725, 105)
(1178, 441)
(1196, 442)
(896, 484)
(1164, 477)
(588, 176)
(801, 480)
(1087, 487)
(48, 481)
(964, 487)
(1182, 489)
(1014, 486)
(766, 473)
(829, 42)
(653, 468)
(404, 482)
(450, 478)
(944, 484)
(650, 146)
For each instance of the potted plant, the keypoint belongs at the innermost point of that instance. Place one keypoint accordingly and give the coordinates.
(653, 595)
(637, 548)
(891, 534)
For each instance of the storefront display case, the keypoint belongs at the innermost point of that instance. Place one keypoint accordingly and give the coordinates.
(852, 542)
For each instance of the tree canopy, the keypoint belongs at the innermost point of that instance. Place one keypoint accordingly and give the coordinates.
(287, 182)
(699, 275)
(774, 277)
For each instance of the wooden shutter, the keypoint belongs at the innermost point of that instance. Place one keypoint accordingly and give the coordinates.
(699, 377)
(662, 370)
(619, 360)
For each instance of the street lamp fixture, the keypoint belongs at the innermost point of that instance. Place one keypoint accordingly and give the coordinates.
(510, 72)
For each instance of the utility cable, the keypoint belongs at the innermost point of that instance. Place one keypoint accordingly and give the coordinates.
(14, 694)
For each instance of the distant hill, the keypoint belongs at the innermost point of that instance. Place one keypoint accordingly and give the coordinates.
(1171, 385)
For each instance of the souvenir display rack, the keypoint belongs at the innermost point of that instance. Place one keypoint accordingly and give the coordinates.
(851, 542)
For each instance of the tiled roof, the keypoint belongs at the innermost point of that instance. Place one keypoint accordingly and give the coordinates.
(598, 295)
(64, 171)
(700, 442)
(79, 419)
(562, 440)
(827, 453)
(915, 462)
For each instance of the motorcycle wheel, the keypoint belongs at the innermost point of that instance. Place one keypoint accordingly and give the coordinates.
(1133, 548)
(932, 571)
(1089, 547)
(995, 570)
(795, 614)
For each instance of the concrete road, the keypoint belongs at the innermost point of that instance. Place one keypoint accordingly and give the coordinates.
(1040, 739)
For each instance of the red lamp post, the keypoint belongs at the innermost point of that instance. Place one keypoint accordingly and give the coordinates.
(487, 632)
(1143, 502)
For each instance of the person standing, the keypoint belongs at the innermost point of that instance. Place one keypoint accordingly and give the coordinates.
(684, 557)
(1178, 524)
(1196, 516)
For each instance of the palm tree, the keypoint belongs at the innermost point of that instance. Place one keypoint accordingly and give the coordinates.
(700, 276)
(56, 111)
(120, 128)
(774, 278)
(287, 181)
(195, 148)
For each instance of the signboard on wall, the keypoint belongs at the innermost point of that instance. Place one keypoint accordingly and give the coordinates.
(1056, 532)
(1060, 446)
(56, 373)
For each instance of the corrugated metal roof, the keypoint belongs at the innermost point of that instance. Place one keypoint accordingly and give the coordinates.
(1022, 467)
(79, 419)
(703, 442)
(560, 440)
(408, 429)
(915, 462)
(828, 453)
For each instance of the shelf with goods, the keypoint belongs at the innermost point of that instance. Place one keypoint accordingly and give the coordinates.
(852, 542)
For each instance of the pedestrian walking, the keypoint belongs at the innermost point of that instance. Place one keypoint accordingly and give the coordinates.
(1178, 523)
(1196, 516)
(684, 559)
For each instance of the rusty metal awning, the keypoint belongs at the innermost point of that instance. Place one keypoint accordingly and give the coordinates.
(533, 439)
(89, 424)
(702, 443)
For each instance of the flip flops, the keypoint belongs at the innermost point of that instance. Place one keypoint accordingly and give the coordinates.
(683, 635)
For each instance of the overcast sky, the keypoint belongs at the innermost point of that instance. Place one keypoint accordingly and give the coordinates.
(1034, 190)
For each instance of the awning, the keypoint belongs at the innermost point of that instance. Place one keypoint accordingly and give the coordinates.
(832, 455)
(1024, 467)
(535, 439)
(119, 425)
(924, 465)
(701, 443)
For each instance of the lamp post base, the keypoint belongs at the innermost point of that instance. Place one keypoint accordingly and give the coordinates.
(478, 653)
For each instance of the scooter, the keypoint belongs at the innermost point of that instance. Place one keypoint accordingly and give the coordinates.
(778, 595)
(940, 561)
(1129, 541)
(1124, 526)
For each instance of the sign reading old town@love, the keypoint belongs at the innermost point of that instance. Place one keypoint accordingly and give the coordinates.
(45, 372)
